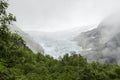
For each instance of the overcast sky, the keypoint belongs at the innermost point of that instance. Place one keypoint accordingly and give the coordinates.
(53, 15)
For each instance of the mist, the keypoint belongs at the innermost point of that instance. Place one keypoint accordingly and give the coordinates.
(55, 15)
(102, 44)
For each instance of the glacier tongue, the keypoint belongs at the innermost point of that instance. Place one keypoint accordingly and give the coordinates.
(56, 44)
(58, 48)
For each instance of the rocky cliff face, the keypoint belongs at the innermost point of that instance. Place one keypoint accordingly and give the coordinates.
(35, 47)
(104, 41)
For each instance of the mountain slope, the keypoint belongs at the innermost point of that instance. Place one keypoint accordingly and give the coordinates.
(34, 46)
(104, 41)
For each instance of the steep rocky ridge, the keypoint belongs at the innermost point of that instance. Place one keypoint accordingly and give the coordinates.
(104, 41)
(30, 42)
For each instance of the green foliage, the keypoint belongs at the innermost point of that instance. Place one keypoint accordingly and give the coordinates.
(18, 62)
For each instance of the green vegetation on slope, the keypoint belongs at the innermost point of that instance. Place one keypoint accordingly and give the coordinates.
(18, 62)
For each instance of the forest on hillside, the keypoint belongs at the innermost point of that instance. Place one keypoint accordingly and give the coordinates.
(18, 62)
